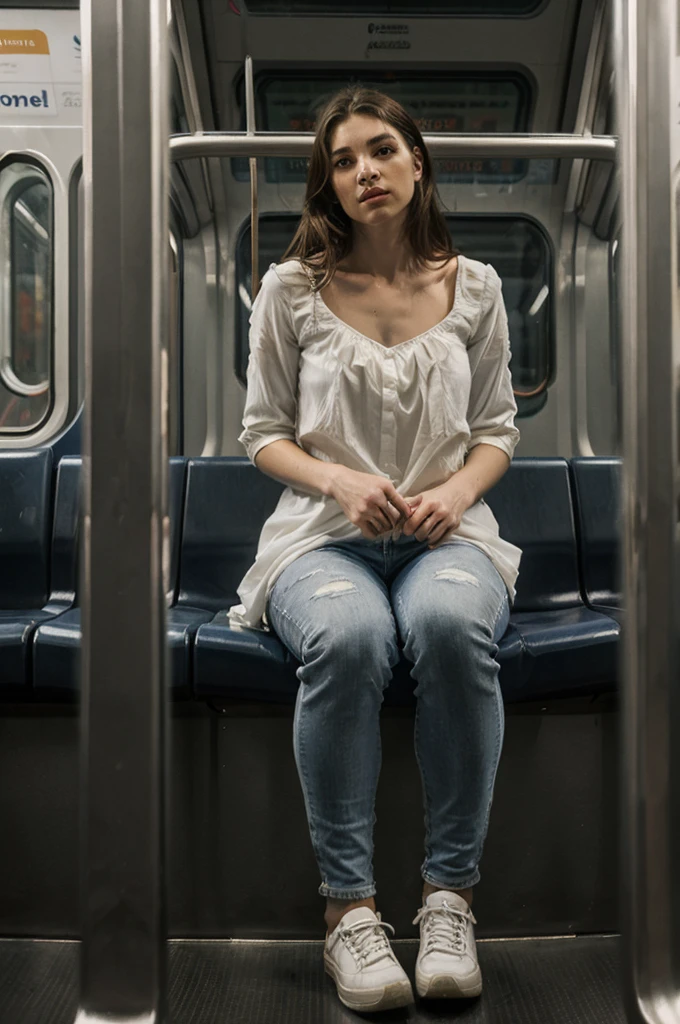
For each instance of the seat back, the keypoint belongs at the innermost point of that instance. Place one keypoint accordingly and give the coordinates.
(25, 518)
(176, 483)
(597, 489)
(227, 501)
(66, 527)
(65, 530)
(533, 506)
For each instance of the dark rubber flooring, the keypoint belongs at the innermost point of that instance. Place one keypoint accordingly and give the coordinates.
(529, 981)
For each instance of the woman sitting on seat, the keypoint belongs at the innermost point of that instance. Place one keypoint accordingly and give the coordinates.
(379, 392)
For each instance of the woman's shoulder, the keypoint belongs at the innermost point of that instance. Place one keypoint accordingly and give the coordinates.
(480, 274)
(285, 292)
(289, 274)
(284, 284)
(479, 281)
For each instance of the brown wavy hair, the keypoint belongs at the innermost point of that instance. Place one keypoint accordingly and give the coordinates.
(324, 234)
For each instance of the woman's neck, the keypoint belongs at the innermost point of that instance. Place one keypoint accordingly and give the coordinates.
(379, 251)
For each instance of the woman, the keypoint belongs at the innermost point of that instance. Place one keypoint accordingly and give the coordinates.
(379, 392)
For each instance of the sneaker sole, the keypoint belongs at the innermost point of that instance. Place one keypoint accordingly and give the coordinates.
(445, 986)
(387, 997)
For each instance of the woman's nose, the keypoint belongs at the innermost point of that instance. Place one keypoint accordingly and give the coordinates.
(367, 172)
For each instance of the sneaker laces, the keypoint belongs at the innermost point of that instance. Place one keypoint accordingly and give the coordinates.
(445, 928)
(366, 940)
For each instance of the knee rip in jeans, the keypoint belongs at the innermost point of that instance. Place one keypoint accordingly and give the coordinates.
(335, 588)
(456, 576)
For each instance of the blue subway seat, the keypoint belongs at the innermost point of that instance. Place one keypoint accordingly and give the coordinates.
(25, 599)
(568, 648)
(57, 643)
(597, 491)
(554, 645)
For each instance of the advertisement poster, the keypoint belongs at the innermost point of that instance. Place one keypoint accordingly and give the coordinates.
(40, 67)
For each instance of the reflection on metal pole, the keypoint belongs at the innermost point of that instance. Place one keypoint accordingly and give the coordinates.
(533, 147)
(254, 222)
(645, 52)
(124, 659)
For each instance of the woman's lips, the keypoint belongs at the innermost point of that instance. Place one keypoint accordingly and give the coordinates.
(374, 199)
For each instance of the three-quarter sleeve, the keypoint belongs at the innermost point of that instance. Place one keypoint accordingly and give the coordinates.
(270, 411)
(492, 407)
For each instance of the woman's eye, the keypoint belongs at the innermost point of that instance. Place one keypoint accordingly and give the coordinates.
(383, 149)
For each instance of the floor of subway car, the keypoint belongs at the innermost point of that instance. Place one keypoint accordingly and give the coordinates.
(572, 980)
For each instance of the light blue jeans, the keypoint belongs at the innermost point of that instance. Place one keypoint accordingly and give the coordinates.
(340, 610)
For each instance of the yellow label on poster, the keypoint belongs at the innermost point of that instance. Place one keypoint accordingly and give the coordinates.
(26, 41)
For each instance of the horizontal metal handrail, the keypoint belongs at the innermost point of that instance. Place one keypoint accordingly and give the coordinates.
(280, 144)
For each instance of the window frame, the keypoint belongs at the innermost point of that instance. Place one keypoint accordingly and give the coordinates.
(38, 173)
(528, 403)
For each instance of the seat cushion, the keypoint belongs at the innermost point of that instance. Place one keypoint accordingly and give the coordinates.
(243, 663)
(553, 643)
(248, 664)
(56, 657)
(16, 631)
(569, 651)
(56, 653)
(182, 624)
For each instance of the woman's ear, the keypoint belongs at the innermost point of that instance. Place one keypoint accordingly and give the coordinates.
(417, 163)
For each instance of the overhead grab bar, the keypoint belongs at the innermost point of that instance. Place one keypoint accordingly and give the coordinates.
(254, 223)
(444, 144)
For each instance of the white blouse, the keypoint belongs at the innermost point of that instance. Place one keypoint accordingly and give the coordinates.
(411, 412)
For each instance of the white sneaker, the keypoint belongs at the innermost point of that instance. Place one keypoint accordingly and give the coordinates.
(359, 958)
(447, 966)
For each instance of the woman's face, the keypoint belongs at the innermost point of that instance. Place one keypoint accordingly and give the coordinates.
(373, 155)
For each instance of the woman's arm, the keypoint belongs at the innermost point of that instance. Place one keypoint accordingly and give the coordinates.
(491, 418)
(492, 407)
(286, 462)
(484, 467)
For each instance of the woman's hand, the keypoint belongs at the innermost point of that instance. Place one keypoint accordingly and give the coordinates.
(370, 502)
(439, 510)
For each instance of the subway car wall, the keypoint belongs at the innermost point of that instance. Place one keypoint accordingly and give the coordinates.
(547, 226)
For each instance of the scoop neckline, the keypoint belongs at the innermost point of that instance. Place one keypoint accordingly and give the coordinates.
(408, 341)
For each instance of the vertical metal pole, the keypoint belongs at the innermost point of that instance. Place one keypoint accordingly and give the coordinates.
(254, 215)
(645, 50)
(124, 659)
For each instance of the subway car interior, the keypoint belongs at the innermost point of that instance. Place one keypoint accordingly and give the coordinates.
(156, 863)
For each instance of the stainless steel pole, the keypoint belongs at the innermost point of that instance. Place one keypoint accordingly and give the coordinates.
(124, 661)
(645, 51)
(218, 144)
(254, 214)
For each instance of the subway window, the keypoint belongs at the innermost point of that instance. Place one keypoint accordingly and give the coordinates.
(516, 247)
(26, 259)
(489, 102)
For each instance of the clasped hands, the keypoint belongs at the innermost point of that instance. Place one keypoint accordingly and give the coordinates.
(435, 512)
(374, 505)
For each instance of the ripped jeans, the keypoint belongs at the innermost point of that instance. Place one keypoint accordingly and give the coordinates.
(340, 610)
